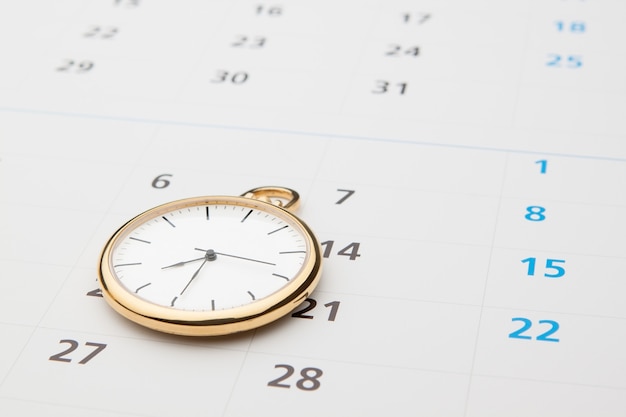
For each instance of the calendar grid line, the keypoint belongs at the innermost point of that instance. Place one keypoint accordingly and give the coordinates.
(307, 133)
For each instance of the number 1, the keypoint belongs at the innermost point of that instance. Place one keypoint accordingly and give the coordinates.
(543, 164)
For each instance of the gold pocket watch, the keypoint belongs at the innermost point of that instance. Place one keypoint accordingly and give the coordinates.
(214, 265)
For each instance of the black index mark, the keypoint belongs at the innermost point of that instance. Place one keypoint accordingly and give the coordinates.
(279, 229)
(281, 276)
(173, 301)
(165, 218)
(129, 264)
(143, 286)
(244, 219)
(139, 240)
(251, 295)
(207, 212)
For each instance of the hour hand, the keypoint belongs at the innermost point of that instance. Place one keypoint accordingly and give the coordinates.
(183, 263)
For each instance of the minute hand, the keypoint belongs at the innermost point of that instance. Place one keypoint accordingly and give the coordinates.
(240, 257)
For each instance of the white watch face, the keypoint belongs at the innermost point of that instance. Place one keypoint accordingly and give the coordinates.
(209, 257)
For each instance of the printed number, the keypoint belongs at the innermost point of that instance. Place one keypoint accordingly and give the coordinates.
(352, 250)
(535, 213)
(70, 65)
(100, 32)
(274, 11)
(161, 181)
(573, 27)
(399, 50)
(552, 269)
(383, 87)
(562, 61)
(234, 78)
(543, 164)
(126, 3)
(418, 18)
(95, 293)
(527, 324)
(308, 382)
(61, 356)
(311, 304)
(242, 41)
(345, 197)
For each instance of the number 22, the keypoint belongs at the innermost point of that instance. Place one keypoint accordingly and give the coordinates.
(543, 337)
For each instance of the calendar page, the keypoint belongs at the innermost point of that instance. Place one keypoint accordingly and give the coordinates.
(462, 164)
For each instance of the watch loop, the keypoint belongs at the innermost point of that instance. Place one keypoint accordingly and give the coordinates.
(283, 197)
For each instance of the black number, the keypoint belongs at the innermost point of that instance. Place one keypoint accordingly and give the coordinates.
(277, 382)
(99, 347)
(234, 78)
(70, 65)
(308, 382)
(247, 42)
(300, 313)
(345, 197)
(352, 250)
(160, 181)
(398, 50)
(274, 11)
(383, 87)
(95, 293)
(126, 3)
(60, 357)
(311, 304)
(418, 18)
(100, 32)
(334, 308)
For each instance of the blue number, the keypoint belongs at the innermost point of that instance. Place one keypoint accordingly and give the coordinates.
(577, 27)
(559, 271)
(574, 61)
(551, 264)
(543, 164)
(554, 60)
(544, 336)
(574, 27)
(570, 61)
(517, 334)
(535, 213)
(531, 265)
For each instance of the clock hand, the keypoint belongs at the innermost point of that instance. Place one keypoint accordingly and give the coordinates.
(208, 256)
(239, 257)
(183, 262)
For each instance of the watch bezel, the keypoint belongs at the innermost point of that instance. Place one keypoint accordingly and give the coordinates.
(210, 322)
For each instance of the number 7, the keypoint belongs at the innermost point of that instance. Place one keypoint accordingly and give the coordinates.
(345, 197)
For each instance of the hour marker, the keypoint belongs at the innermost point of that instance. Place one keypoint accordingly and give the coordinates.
(281, 276)
(165, 218)
(207, 212)
(244, 219)
(139, 240)
(173, 301)
(279, 229)
(252, 295)
(212, 304)
(129, 264)
(143, 286)
(293, 251)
